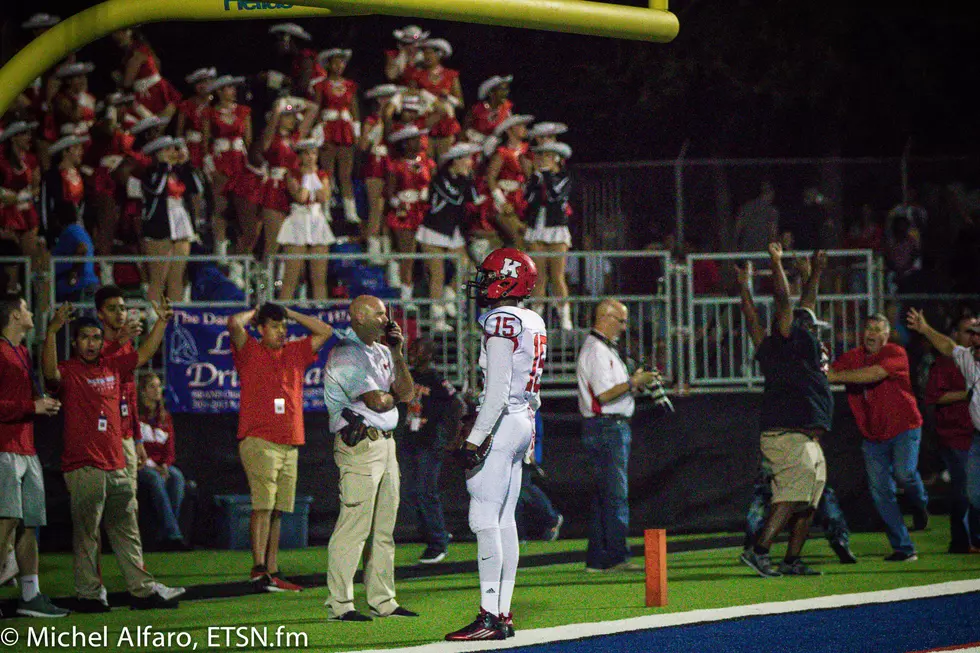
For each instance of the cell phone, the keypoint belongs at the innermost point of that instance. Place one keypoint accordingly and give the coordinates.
(391, 326)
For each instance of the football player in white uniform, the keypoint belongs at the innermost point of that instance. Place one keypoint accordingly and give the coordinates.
(512, 355)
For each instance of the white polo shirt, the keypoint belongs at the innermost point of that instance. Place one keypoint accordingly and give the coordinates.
(352, 369)
(970, 369)
(599, 369)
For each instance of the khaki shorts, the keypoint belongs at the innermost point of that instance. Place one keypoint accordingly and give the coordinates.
(799, 470)
(271, 472)
(22, 489)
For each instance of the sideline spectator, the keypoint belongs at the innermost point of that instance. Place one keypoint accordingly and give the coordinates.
(536, 515)
(946, 390)
(433, 414)
(364, 378)
(164, 480)
(605, 400)
(270, 424)
(757, 221)
(22, 509)
(901, 252)
(880, 395)
(99, 486)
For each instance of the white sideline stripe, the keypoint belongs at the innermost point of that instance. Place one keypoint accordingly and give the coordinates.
(580, 631)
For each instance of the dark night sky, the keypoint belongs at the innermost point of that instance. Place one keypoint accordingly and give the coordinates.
(743, 78)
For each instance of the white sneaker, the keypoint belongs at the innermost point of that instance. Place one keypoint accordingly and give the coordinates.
(439, 324)
(167, 593)
(566, 317)
(236, 274)
(374, 250)
(350, 211)
(449, 301)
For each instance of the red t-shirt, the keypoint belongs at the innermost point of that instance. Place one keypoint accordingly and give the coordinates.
(272, 390)
(129, 398)
(158, 437)
(953, 425)
(90, 395)
(16, 400)
(885, 409)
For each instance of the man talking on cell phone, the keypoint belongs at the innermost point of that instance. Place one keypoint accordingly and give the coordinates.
(365, 376)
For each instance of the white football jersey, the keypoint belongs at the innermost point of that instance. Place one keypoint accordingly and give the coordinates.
(526, 331)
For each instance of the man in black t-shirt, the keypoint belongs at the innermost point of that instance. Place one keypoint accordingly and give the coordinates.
(797, 408)
(433, 415)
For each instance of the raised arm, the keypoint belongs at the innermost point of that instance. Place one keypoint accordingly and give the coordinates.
(752, 322)
(320, 330)
(784, 312)
(151, 343)
(49, 353)
(917, 322)
(237, 324)
(811, 282)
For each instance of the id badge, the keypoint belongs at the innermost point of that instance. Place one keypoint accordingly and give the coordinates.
(103, 424)
(124, 408)
(280, 406)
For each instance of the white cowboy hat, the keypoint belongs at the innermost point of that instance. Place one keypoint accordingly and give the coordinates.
(74, 69)
(405, 133)
(335, 52)
(157, 144)
(410, 34)
(306, 144)
(149, 123)
(512, 121)
(202, 74)
(547, 129)
(67, 141)
(37, 21)
(442, 45)
(223, 81)
(491, 84)
(15, 128)
(561, 149)
(460, 151)
(292, 29)
(382, 90)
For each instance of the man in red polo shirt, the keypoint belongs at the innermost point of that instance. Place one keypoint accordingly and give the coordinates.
(110, 307)
(879, 391)
(21, 481)
(270, 423)
(93, 462)
(946, 390)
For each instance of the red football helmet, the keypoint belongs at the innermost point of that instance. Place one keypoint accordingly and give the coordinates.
(505, 273)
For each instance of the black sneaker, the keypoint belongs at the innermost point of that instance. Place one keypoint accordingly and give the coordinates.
(843, 552)
(898, 556)
(351, 615)
(797, 568)
(152, 602)
(920, 518)
(485, 626)
(759, 562)
(432, 555)
(90, 606)
(397, 612)
(507, 621)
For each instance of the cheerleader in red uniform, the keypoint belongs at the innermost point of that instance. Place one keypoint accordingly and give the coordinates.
(340, 113)
(167, 224)
(299, 63)
(286, 127)
(63, 186)
(227, 138)
(507, 172)
(73, 107)
(193, 113)
(407, 190)
(492, 109)
(306, 230)
(400, 62)
(141, 73)
(111, 144)
(20, 181)
(375, 171)
(443, 83)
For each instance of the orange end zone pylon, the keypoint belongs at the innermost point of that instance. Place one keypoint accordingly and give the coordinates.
(655, 553)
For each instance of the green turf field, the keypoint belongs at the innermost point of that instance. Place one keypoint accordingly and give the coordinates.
(545, 596)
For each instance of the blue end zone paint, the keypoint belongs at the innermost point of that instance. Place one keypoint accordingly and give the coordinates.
(896, 627)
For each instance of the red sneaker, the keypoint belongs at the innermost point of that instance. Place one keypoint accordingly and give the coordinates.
(279, 584)
(485, 626)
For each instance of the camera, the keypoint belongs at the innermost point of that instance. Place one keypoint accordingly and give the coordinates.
(656, 391)
(389, 329)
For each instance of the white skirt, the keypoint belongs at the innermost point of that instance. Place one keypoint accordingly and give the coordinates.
(432, 237)
(181, 227)
(541, 233)
(306, 226)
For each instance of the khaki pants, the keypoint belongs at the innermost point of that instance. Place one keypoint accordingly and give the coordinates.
(96, 493)
(132, 460)
(369, 484)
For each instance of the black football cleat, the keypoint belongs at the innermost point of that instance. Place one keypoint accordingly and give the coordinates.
(507, 621)
(485, 626)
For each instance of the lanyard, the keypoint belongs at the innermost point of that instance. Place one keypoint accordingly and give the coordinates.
(26, 362)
